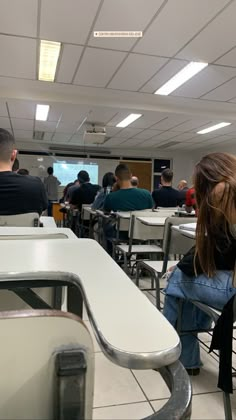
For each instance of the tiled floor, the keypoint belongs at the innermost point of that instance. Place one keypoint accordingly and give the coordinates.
(121, 394)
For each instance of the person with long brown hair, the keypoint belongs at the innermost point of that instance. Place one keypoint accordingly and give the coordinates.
(205, 273)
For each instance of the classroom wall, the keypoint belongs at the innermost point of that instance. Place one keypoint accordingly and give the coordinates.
(182, 162)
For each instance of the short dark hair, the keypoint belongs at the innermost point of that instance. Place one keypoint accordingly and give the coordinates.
(83, 177)
(167, 175)
(15, 165)
(23, 171)
(108, 180)
(7, 145)
(50, 170)
(123, 172)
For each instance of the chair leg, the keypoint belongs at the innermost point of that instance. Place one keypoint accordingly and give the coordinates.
(137, 274)
(157, 282)
(227, 406)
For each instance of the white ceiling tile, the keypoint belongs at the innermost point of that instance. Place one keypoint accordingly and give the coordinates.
(223, 93)
(3, 109)
(21, 109)
(67, 112)
(70, 58)
(119, 116)
(129, 132)
(150, 142)
(23, 134)
(101, 115)
(112, 131)
(97, 67)
(206, 80)
(132, 142)
(48, 126)
(193, 125)
(19, 17)
(228, 59)
(5, 122)
(168, 71)
(67, 22)
(216, 39)
(177, 23)
(147, 134)
(135, 71)
(21, 124)
(115, 141)
(61, 137)
(148, 119)
(66, 127)
(124, 12)
(47, 137)
(18, 57)
(77, 140)
(170, 122)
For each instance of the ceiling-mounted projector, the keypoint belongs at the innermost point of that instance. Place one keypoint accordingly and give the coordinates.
(97, 135)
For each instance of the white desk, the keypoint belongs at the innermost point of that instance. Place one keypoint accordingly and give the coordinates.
(152, 221)
(48, 222)
(123, 214)
(185, 232)
(128, 327)
(184, 213)
(35, 232)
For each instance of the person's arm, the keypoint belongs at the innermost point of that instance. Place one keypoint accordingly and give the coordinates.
(151, 204)
(107, 204)
(75, 199)
(154, 198)
(43, 198)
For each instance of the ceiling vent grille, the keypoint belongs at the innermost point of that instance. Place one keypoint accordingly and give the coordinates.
(38, 135)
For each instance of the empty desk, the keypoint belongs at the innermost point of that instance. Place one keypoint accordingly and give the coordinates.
(48, 222)
(152, 221)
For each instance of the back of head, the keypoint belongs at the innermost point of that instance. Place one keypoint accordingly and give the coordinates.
(182, 184)
(215, 189)
(23, 171)
(167, 175)
(50, 170)
(122, 172)
(83, 177)
(108, 180)
(134, 181)
(7, 145)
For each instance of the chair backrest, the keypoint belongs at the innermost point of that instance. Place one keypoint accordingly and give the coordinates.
(142, 232)
(174, 242)
(25, 219)
(84, 214)
(47, 366)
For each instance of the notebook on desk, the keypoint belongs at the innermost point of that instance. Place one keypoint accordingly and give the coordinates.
(189, 226)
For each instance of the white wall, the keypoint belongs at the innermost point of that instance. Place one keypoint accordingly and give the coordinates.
(183, 163)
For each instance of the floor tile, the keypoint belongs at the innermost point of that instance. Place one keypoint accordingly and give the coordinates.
(204, 407)
(152, 384)
(95, 343)
(208, 378)
(123, 412)
(113, 384)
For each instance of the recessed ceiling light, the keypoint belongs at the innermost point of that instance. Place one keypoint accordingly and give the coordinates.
(213, 128)
(49, 54)
(128, 120)
(181, 77)
(42, 112)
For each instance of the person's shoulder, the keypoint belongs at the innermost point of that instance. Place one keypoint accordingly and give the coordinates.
(143, 191)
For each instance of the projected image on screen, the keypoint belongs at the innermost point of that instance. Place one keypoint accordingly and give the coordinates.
(67, 172)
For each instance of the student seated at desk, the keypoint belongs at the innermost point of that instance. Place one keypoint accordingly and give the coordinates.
(127, 198)
(18, 194)
(85, 192)
(166, 196)
(205, 274)
(107, 184)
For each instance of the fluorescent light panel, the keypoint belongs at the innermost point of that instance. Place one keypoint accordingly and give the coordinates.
(42, 112)
(49, 54)
(181, 77)
(128, 120)
(213, 128)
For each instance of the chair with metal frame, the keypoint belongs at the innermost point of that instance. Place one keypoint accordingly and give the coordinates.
(146, 236)
(173, 244)
(47, 366)
(24, 219)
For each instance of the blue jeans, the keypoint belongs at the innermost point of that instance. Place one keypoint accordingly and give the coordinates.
(214, 292)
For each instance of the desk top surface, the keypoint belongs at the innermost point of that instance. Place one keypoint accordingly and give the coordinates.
(34, 232)
(134, 333)
(48, 221)
(185, 232)
(152, 221)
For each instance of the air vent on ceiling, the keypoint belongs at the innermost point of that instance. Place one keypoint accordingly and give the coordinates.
(38, 135)
(78, 149)
(166, 145)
